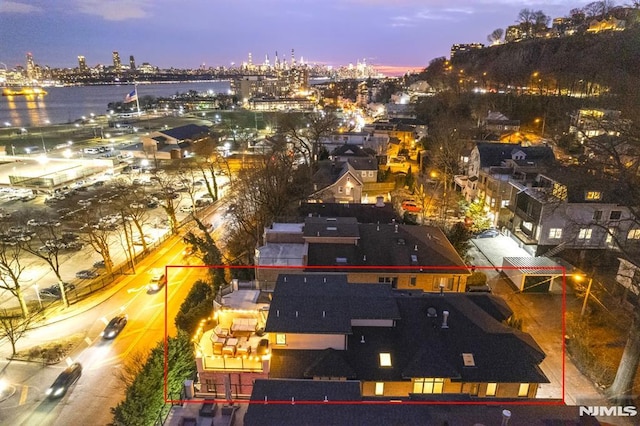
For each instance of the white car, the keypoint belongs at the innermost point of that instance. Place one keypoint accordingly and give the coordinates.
(187, 209)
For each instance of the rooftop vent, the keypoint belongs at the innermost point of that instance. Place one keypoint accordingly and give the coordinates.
(414, 259)
(400, 241)
(364, 258)
(331, 219)
(362, 339)
(341, 260)
(432, 313)
(396, 229)
(379, 201)
(415, 248)
(332, 228)
(445, 317)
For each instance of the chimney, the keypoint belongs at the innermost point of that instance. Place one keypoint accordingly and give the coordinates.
(445, 316)
(362, 339)
(506, 416)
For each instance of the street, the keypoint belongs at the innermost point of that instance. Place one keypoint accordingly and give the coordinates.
(99, 388)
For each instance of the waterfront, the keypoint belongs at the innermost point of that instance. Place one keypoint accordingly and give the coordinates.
(67, 104)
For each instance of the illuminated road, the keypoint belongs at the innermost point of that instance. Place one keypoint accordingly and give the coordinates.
(99, 388)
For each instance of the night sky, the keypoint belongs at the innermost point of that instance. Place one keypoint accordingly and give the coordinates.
(405, 34)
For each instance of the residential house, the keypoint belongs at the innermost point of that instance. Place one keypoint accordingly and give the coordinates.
(399, 344)
(337, 183)
(608, 24)
(568, 208)
(497, 123)
(492, 165)
(336, 140)
(587, 123)
(168, 144)
(405, 256)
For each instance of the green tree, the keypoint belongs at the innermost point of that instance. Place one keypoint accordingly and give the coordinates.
(459, 236)
(204, 244)
(144, 398)
(197, 305)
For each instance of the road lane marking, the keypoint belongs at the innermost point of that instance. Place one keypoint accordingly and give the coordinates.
(23, 395)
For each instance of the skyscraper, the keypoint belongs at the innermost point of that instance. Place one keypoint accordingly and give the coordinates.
(31, 67)
(132, 63)
(117, 65)
(82, 64)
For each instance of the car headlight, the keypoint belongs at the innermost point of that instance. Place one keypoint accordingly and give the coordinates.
(111, 334)
(58, 392)
(102, 333)
(49, 391)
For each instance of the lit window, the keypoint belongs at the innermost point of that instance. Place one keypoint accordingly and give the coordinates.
(555, 233)
(428, 385)
(379, 388)
(491, 389)
(634, 234)
(385, 359)
(281, 339)
(593, 195)
(504, 203)
(523, 390)
(584, 234)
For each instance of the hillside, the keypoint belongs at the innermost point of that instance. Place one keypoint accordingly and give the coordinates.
(582, 64)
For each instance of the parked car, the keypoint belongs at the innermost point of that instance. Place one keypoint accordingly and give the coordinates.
(114, 327)
(54, 292)
(64, 381)
(99, 264)
(488, 233)
(411, 206)
(86, 274)
(187, 209)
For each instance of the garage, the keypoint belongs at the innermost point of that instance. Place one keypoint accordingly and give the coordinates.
(534, 274)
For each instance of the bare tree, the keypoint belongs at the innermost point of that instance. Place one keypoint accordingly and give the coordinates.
(11, 269)
(14, 327)
(495, 36)
(307, 133)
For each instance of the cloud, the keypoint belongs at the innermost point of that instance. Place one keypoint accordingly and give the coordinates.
(116, 10)
(445, 14)
(15, 7)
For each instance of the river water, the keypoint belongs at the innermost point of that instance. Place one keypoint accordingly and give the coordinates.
(67, 104)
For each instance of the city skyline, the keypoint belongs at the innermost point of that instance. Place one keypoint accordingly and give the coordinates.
(392, 37)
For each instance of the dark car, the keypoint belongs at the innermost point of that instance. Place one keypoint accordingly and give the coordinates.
(86, 274)
(114, 327)
(489, 233)
(99, 264)
(64, 381)
(53, 292)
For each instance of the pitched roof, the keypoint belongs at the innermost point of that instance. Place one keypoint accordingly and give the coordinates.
(331, 227)
(363, 163)
(493, 154)
(325, 304)
(392, 245)
(351, 149)
(186, 132)
(418, 344)
(364, 213)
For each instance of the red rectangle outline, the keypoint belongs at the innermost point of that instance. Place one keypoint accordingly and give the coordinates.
(333, 268)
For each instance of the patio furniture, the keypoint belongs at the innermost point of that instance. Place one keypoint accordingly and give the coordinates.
(221, 332)
(244, 325)
(218, 345)
(243, 347)
(230, 347)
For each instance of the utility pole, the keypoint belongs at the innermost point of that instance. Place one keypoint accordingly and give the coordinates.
(586, 297)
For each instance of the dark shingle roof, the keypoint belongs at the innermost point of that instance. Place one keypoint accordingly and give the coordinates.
(363, 163)
(493, 154)
(186, 132)
(418, 344)
(364, 213)
(331, 227)
(381, 245)
(326, 304)
(330, 363)
(355, 150)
